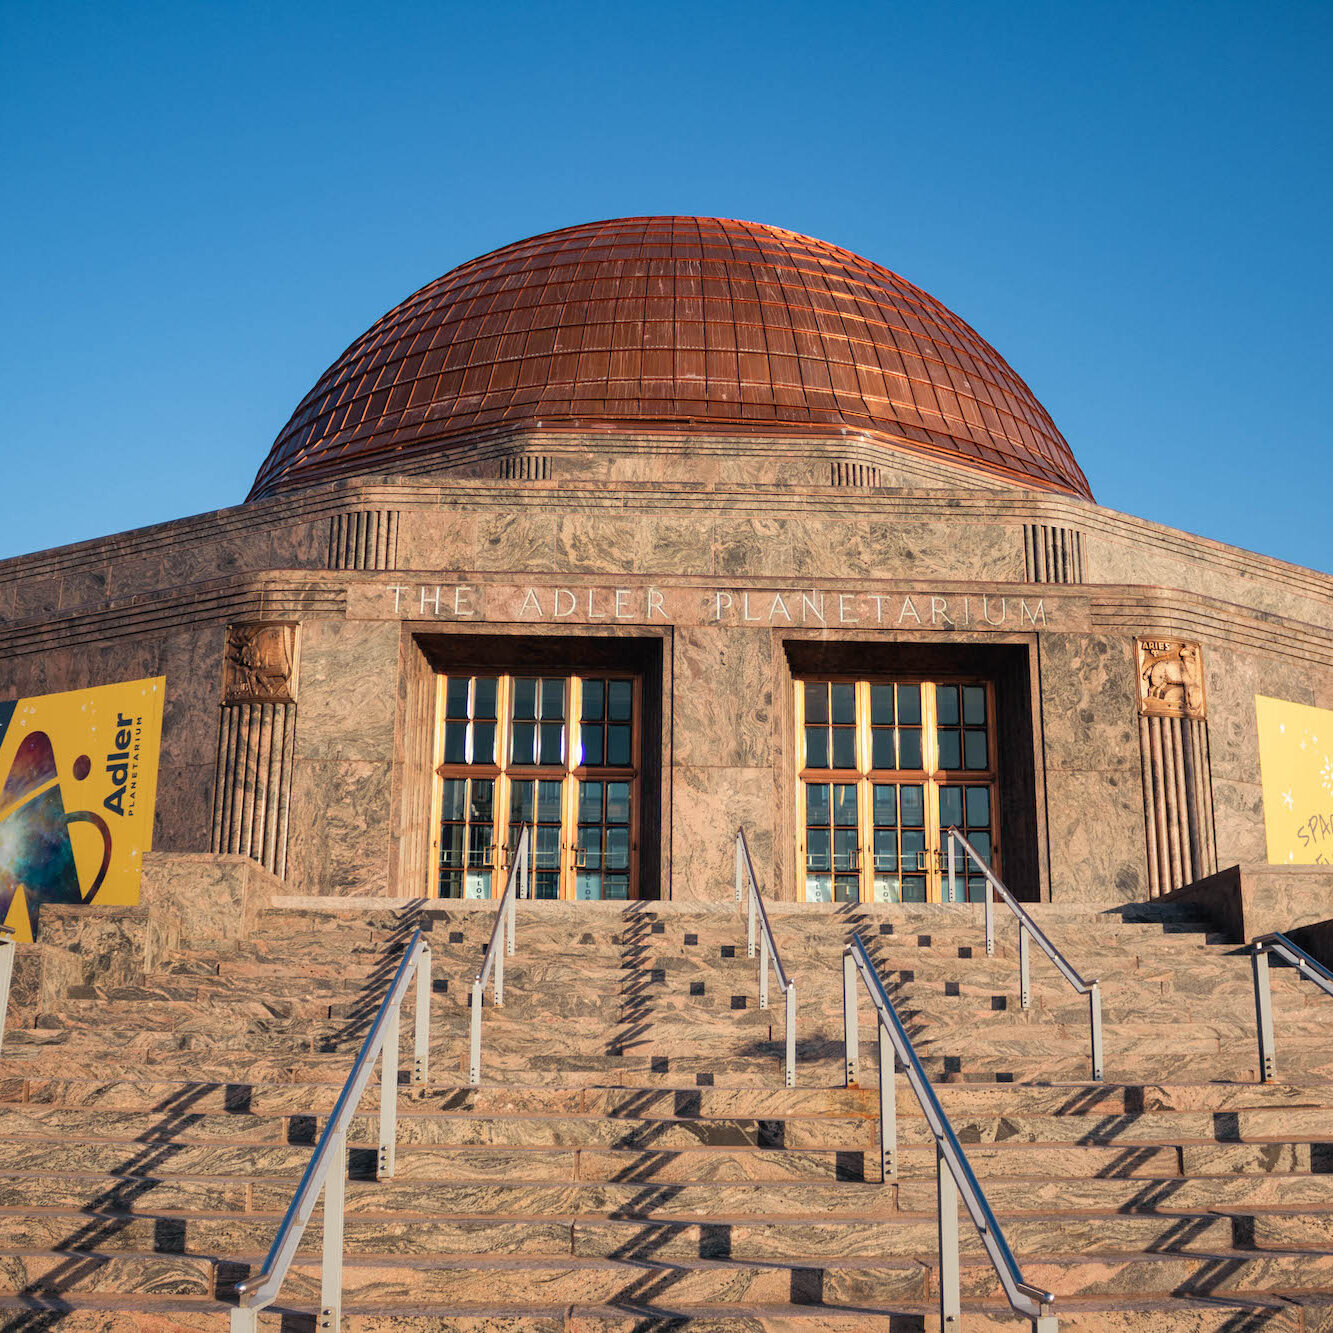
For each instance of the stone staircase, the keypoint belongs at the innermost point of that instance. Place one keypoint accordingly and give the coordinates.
(632, 1159)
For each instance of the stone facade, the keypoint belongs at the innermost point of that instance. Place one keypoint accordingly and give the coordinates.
(725, 557)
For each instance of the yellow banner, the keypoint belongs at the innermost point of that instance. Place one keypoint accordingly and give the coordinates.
(79, 773)
(1296, 763)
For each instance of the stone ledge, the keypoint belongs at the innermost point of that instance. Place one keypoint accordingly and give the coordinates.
(1256, 899)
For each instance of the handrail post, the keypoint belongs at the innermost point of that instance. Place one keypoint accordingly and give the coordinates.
(740, 871)
(387, 1159)
(474, 1056)
(244, 1320)
(953, 891)
(513, 897)
(750, 925)
(888, 1107)
(1024, 981)
(951, 1309)
(990, 919)
(331, 1269)
(1263, 1013)
(791, 1034)
(850, 1032)
(421, 1029)
(1095, 1022)
(498, 984)
(763, 971)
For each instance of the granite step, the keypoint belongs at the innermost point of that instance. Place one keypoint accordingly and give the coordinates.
(1172, 1314)
(847, 1282)
(535, 1129)
(738, 1238)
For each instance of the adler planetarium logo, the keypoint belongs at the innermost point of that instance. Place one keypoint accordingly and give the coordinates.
(76, 805)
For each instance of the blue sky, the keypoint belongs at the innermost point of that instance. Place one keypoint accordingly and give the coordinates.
(204, 203)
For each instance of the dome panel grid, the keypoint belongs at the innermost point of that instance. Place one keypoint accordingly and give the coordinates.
(680, 323)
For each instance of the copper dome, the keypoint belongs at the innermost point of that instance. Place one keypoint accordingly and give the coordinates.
(677, 323)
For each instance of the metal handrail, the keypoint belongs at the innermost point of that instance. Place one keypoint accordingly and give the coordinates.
(495, 954)
(1310, 968)
(747, 889)
(895, 1048)
(1028, 927)
(327, 1169)
(8, 952)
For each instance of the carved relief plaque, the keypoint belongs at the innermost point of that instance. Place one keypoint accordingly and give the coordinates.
(260, 664)
(1170, 678)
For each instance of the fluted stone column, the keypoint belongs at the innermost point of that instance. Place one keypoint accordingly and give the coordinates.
(1051, 554)
(364, 539)
(256, 744)
(1177, 769)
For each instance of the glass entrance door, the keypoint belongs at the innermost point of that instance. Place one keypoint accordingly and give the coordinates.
(886, 768)
(554, 753)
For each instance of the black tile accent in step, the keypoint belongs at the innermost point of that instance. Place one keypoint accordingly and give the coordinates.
(687, 1103)
(923, 941)
(658, 975)
(965, 951)
(771, 1134)
(691, 939)
(906, 974)
(704, 1080)
(951, 988)
(696, 987)
(301, 1129)
(439, 986)
(848, 1165)
(1226, 1126)
(953, 1064)
(236, 1099)
(728, 951)
(999, 1002)
(714, 1243)
(886, 928)
(658, 928)
(738, 1001)
(363, 1164)
(455, 937)
(807, 1286)
(169, 1235)
(1242, 1231)
(1321, 1159)
(660, 1064)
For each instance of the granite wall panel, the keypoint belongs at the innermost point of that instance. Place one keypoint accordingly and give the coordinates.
(593, 542)
(517, 539)
(1089, 702)
(751, 547)
(339, 838)
(1097, 843)
(348, 686)
(443, 539)
(674, 545)
(708, 806)
(724, 697)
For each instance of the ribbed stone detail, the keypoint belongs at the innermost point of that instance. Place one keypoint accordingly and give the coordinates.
(1052, 555)
(1177, 802)
(844, 473)
(253, 782)
(364, 539)
(526, 467)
